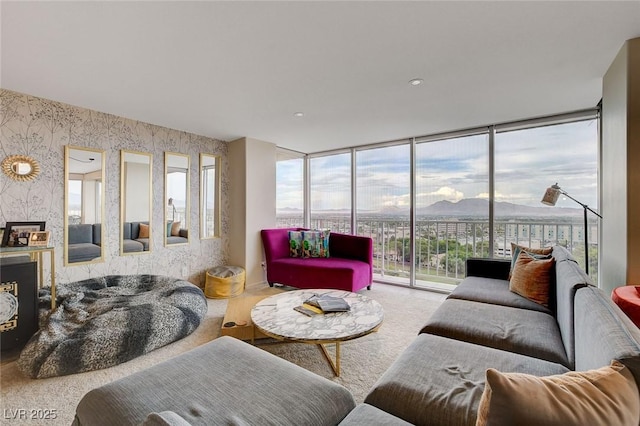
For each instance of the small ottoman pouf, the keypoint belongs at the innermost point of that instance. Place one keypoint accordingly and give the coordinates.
(628, 299)
(224, 281)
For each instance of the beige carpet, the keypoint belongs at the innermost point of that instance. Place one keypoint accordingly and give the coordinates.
(363, 360)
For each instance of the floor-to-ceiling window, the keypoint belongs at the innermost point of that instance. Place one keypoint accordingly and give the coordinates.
(452, 206)
(383, 200)
(431, 202)
(330, 192)
(529, 160)
(289, 189)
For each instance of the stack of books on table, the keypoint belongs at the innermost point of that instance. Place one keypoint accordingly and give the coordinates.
(323, 304)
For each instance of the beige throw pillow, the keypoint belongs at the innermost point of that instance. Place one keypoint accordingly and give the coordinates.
(175, 229)
(516, 249)
(606, 396)
(144, 231)
(531, 278)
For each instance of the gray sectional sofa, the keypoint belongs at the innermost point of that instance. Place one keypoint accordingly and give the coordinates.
(438, 380)
(131, 241)
(84, 242)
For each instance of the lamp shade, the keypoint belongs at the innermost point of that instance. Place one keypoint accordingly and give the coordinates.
(551, 195)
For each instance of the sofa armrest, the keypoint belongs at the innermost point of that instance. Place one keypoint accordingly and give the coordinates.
(488, 268)
(349, 246)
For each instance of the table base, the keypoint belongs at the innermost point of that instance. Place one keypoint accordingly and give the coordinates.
(335, 365)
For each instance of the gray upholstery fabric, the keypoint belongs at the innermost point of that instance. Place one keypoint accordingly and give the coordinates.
(81, 234)
(126, 231)
(569, 278)
(511, 329)
(439, 381)
(603, 333)
(165, 418)
(494, 291)
(144, 242)
(97, 233)
(176, 240)
(82, 252)
(222, 382)
(131, 242)
(83, 245)
(368, 415)
(130, 246)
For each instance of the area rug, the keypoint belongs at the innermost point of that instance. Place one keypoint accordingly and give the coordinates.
(363, 360)
(105, 321)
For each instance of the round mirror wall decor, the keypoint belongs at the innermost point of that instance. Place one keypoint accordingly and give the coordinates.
(20, 167)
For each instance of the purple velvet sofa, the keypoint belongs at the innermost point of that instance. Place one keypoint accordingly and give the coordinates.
(349, 267)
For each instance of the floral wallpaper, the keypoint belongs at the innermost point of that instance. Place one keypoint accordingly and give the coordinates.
(41, 128)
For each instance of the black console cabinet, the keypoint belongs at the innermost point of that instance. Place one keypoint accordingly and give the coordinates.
(18, 302)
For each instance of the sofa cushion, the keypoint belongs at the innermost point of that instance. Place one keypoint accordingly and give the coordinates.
(143, 231)
(337, 273)
(516, 249)
(176, 240)
(131, 246)
(175, 229)
(439, 381)
(365, 414)
(83, 252)
(295, 243)
(603, 332)
(126, 231)
(144, 242)
(97, 233)
(608, 395)
(531, 278)
(569, 278)
(165, 418)
(80, 234)
(494, 291)
(279, 392)
(521, 331)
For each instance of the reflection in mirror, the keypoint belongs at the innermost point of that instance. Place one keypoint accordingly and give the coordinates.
(176, 184)
(84, 205)
(20, 167)
(135, 202)
(209, 196)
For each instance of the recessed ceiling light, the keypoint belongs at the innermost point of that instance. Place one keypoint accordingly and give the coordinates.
(416, 81)
(298, 114)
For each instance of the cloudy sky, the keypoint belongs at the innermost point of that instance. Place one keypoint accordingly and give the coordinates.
(526, 163)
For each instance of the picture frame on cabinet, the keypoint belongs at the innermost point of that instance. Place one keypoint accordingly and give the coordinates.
(16, 234)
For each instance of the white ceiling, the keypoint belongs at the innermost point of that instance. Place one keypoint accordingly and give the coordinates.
(233, 69)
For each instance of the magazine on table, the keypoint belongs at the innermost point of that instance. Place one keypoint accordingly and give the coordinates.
(328, 303)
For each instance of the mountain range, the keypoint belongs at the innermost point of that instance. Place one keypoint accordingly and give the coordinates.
(468, 207)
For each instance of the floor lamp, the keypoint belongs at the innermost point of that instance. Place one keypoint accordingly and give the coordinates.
(550, 198)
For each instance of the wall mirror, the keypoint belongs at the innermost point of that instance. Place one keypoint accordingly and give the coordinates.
(135, 202)
(20, 167)
(176, 201)
(84, 205)
(210, 168)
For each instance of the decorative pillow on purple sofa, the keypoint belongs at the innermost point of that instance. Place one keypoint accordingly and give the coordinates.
(315, 243)
(295, 244)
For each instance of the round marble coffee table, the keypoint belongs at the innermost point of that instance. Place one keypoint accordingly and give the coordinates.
(275, 316)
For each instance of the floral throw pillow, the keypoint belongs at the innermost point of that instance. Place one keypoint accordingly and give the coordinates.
(295, 244)
(315, 243)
